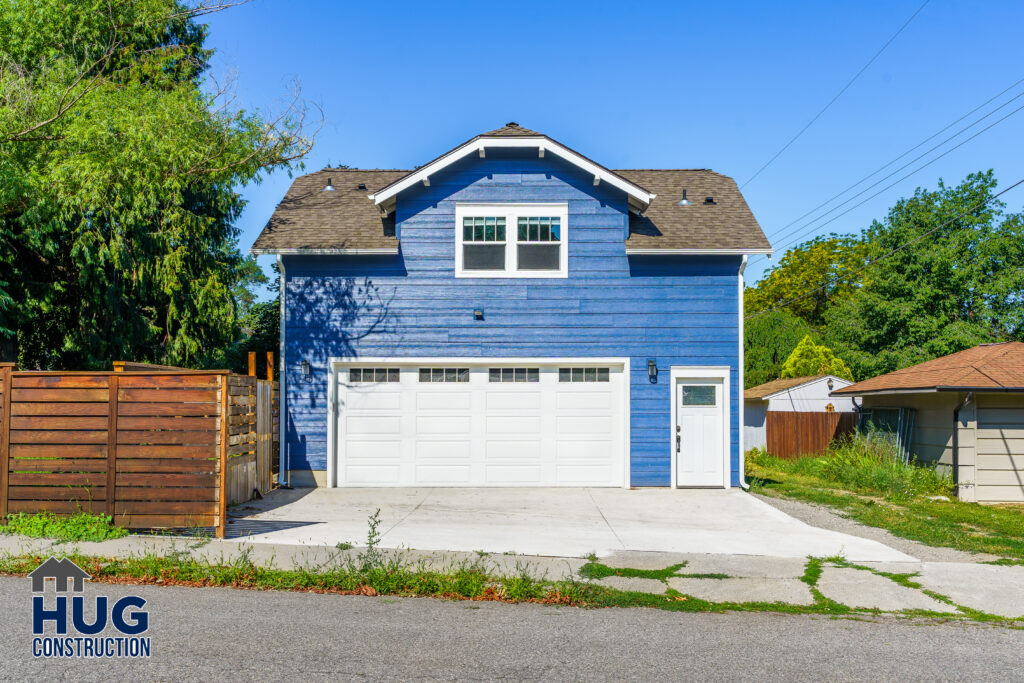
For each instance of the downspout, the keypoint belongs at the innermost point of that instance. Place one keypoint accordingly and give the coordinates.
(956, 441)
(739, 389)
(283, 456)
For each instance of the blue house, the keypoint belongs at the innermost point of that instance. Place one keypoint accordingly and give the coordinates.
(512, 313)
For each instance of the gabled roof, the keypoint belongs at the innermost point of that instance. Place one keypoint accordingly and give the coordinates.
(512, 135)
(778, 385)
(988, 367)
(309, 220)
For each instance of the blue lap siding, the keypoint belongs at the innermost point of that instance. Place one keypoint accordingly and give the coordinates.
(678, 310)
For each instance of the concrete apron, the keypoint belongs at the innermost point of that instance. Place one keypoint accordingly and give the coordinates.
(568, 522)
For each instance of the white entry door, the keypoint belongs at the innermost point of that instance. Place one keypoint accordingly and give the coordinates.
(699, 437)
(473, 423)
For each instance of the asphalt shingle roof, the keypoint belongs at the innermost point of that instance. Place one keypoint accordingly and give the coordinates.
(777, 385)
(309, 218)
(998, 367)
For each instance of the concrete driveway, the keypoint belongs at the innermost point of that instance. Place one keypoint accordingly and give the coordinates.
(566, 522)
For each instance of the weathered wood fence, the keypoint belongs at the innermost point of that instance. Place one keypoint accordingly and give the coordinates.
(150, 448)
(792, 434)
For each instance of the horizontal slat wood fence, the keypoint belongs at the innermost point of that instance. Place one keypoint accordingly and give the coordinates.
(151, 449)
(792, 434)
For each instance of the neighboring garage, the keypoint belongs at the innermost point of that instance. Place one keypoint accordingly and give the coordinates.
(478, 423)
(966, 412)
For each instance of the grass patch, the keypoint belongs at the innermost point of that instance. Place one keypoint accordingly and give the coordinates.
(79, 527)
(894, 497)
(596, 570)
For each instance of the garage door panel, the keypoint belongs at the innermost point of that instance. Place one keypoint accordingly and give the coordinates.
(444, 450)
(372, 475)
(587, 451)
(584, 425)
(513, 450)
(374, 401)
(441, 424)
(444, 400)
(582, 475)
(406, 432)
(509, 400)
(370, 425)
(512, 424)
(584, 400)
(374, 450)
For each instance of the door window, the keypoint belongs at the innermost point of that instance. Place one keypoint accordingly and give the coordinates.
(699, 395)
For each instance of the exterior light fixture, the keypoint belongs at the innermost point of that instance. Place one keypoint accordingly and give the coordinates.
(684, 201)
(652, 371)
(328, 187)
(478, 314)
(305, 369)
(830, 384)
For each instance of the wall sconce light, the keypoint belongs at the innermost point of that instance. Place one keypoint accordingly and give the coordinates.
(652, 371)
(830, 384)
(305, 369)
(478, 314)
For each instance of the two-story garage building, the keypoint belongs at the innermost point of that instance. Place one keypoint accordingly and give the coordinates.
(512, 313)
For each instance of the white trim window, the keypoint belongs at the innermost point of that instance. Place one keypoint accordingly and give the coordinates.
(511, 240)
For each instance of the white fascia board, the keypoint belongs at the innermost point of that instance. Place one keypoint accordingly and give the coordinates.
(546, 144)
(325, 252)
(724, 252)
(823, 378)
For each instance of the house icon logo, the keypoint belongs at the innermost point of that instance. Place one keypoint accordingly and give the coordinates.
(70, 629)
(63, 572)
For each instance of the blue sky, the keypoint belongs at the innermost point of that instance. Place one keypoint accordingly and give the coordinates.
(644, 85)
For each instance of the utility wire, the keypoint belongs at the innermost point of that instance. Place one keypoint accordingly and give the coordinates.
(893, 161)
(837, 96)
(900, 180)
(800, 231)
(886, 255)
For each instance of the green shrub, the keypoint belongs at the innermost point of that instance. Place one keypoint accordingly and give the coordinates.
(867, 465)
(80, 527)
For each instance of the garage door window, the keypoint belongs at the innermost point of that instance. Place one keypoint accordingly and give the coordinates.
(367, 375)
(444, 374)
(582, 374)
(514, 375)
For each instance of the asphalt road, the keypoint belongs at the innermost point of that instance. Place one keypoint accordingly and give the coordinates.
(223, 634)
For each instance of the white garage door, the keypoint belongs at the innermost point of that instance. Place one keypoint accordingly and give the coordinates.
(458, 424)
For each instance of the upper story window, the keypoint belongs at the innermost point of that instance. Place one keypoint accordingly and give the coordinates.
(511, 240)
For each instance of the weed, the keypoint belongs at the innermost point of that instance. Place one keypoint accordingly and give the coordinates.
(371, 557)
(812, 572)
(596, 570)
(80, 527)
(343, 545)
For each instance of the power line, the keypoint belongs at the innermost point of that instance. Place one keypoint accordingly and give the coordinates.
(885, 255)
(900, 180)
(893, 161)
(801, 231)
(837, 96)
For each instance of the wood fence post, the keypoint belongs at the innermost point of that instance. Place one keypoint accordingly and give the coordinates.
(252, 363)
(112, 390)
(222, 503)
(5, 437)
(270, 366)
(118, 366)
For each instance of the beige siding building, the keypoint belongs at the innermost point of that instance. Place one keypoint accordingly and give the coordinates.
(968, 415)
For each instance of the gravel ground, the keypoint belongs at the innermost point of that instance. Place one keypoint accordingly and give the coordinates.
(827, 518)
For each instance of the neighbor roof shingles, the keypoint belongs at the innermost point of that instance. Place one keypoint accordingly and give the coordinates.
(998, 367)
(308, 218)
(777, 385)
